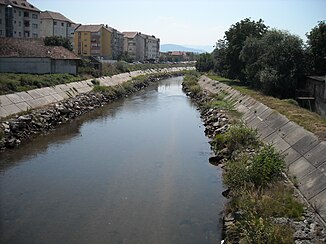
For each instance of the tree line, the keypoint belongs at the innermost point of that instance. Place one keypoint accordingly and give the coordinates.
(266, 59)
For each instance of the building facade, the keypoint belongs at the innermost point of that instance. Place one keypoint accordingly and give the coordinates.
(93, 40)
(141, 47)
(134, 45)
(56, 24)
(117, 43)
(19, 18)
(152, 48)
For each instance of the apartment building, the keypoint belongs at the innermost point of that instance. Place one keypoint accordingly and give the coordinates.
(134, 45)
(56, 24)
(152, 48)
(93, 40)
(117, 43)
(19, 18)
(141, 47)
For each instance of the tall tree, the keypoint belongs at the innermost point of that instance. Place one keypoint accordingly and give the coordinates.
(205, 62)
(275, 63)
(235, 38)
(317, 48)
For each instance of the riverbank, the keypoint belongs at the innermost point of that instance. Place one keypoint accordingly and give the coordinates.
(263, 205)
(23, 127)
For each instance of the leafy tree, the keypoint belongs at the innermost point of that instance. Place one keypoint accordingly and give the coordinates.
(219, 58)
(205, 62)
(235, 38)
(317, 47)
(58, 41)
(274, 63)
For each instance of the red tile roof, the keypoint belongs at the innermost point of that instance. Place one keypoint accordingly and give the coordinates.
(32, 48)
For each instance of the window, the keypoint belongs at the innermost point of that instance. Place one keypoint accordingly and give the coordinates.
(15, 21)
(0, 21)
(26, 14)
(34, 16)
(35, 35)
(19, 13)
(69, 25)
(0, 32)
(20, 34)
(26, 23)
(19, 23)
(35, 26)
(54, 22)
(26, 33)
(62, 24)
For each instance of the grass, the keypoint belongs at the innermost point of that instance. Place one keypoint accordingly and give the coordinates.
(10, 83)
(309, 120)
(253, 174)
(258, 191)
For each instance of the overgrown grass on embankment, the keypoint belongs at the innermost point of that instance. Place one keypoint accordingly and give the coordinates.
(258, 192)
(303, 117)
(10, 82)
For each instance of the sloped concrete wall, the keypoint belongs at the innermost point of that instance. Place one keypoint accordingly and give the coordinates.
(23, 101)
(305, 154)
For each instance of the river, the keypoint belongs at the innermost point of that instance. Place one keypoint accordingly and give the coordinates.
(133, 171)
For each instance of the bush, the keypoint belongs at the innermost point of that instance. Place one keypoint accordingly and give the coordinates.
(240, 137)
(266, 166)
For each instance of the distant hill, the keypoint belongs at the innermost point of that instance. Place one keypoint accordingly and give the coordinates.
(174, 47)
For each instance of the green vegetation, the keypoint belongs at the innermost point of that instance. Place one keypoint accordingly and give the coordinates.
(237, 138)
(257, 189)
(288, 107)
(10, 83)
(268, 60)
(253, 173)
(190, 81)
(58, 41)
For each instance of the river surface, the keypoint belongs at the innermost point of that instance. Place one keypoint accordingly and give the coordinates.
(134, 171)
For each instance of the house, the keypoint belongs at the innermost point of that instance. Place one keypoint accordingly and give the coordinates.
(152, 48)
(56, 24)
(93, 40)
(26, 55)
(19, 18)
(117, 43)
(315, 86)
(134, 45)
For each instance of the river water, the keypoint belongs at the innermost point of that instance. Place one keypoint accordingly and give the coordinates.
(134, 171)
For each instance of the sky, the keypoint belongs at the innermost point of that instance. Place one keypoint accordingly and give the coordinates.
(196, 23)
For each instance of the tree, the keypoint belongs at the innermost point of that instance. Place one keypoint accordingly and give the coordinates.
(219, 58)
(205, 62)
(58, 41)
(274, 63)
(317, 47)
(235, 38)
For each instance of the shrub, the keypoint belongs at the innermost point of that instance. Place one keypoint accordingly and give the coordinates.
(266, 166)
(240, 137)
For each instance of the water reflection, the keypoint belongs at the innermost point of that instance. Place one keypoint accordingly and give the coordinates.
(135, 171)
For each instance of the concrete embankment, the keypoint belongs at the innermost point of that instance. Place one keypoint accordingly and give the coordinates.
(23, 101)
(305, 154)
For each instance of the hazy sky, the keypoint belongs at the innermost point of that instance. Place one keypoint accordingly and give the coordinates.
(192, 22)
